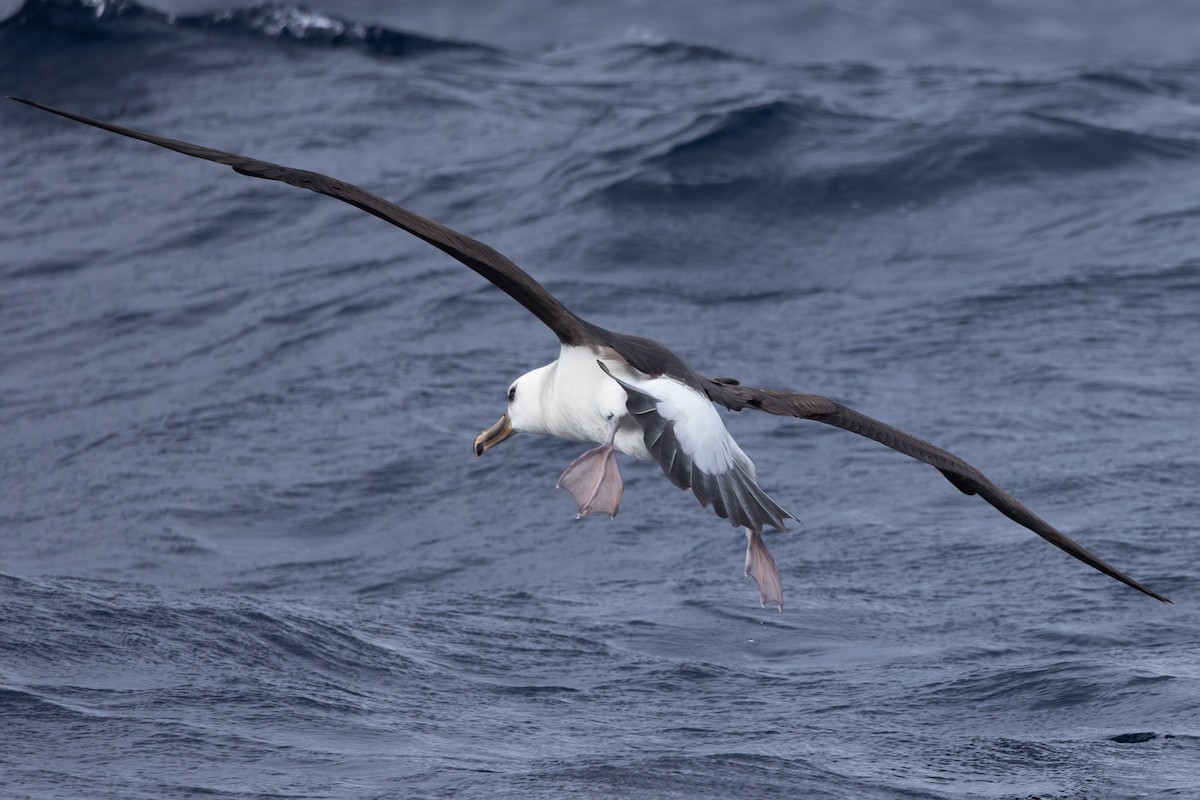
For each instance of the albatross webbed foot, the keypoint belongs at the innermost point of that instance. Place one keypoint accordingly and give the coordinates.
(594, 481)
(761, 566)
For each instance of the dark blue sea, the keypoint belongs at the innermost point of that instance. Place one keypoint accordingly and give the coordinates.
(246, 550)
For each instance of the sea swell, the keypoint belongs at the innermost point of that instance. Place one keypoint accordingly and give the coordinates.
(284, 23)
(247, 549)
(817, 158)
(811, 138)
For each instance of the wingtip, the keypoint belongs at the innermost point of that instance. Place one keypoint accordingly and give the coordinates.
(1143, 589)
(31, 103)
(1149, 592)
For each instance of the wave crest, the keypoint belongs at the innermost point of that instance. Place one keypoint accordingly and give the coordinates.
(291, 23)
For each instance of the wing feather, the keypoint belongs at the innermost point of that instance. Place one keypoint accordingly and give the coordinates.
(962, 475)
(731, 491)
(486, 261)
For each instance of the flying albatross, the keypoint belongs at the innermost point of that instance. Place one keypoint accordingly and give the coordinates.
(632, 394)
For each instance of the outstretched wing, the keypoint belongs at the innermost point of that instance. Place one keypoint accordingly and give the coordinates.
(965, 477)
(506, 275)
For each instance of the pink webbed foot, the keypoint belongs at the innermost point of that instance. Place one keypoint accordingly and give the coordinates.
(594, 481)
(761, 566)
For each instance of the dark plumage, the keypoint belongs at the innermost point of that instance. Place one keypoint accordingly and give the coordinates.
(733, 492)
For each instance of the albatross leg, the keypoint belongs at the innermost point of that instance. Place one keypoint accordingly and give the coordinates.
(761, 566)
(594, 480)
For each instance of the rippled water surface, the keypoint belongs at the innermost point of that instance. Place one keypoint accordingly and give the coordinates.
(245, 548)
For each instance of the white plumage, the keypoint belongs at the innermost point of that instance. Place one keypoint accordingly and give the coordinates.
(574, 399)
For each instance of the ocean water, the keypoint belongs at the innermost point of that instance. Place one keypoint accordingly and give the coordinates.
(246, 550)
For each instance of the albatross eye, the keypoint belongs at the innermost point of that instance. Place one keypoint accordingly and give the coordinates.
(512, 393)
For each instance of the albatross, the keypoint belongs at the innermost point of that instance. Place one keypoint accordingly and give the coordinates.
(633, 395)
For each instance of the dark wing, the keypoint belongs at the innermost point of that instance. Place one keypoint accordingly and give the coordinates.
(732, 490)
(965, 477)
(506, 275)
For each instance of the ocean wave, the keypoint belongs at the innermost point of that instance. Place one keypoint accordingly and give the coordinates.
(69, 621)
(287, 23)
(644, 50)
(801, 151)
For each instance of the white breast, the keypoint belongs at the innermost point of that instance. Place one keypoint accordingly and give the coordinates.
(574, 399)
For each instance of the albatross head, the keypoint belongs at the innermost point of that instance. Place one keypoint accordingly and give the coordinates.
(525, 411)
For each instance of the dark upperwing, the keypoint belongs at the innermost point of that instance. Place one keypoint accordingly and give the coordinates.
(965, 477)
(506, 275)
(643, 354)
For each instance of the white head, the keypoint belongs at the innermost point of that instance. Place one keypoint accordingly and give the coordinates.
(526, 410)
